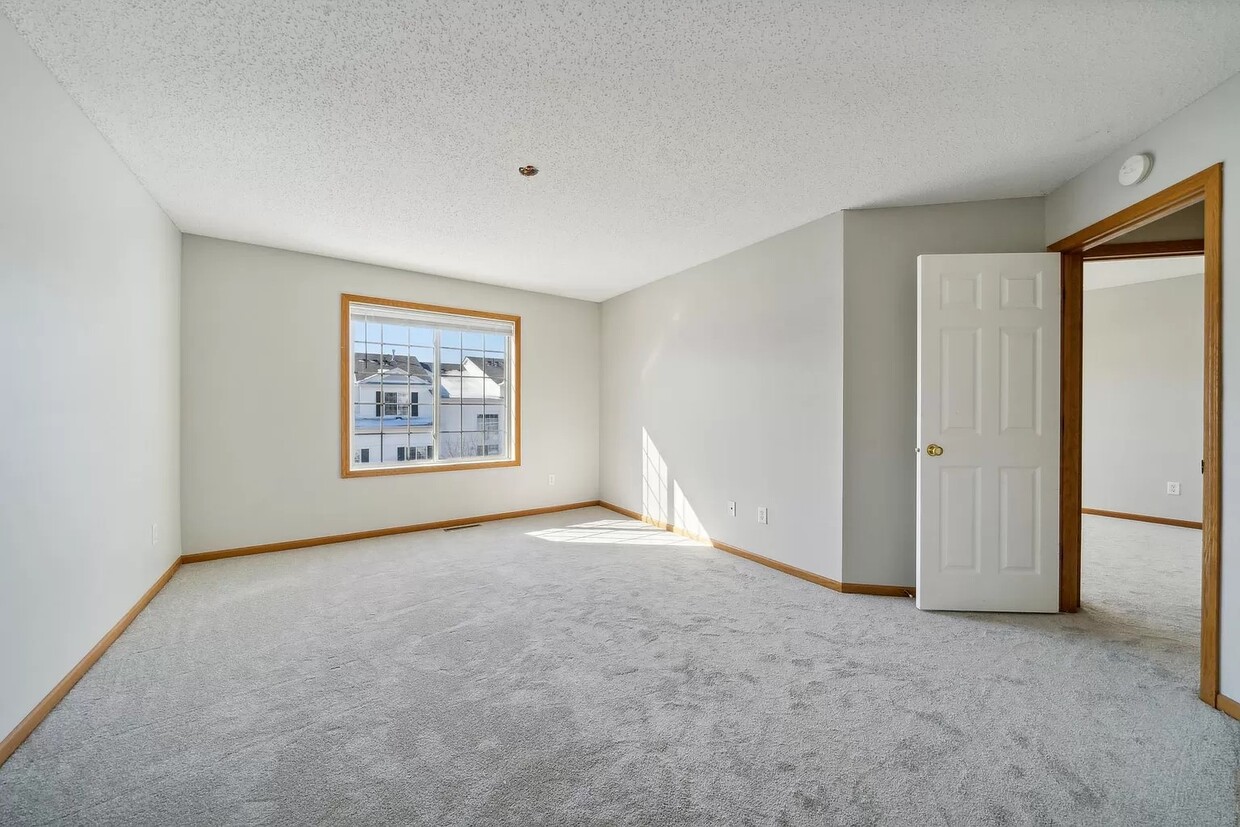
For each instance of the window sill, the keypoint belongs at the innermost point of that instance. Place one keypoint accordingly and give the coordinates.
(392, 470)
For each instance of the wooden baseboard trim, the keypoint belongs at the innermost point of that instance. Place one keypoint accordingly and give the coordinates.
(1141, 518)
(31, 722)
(28, 724)
(817, 579)
(827, 582)
(244, 551)
(634, 515)
(1227, 706)
(880, 590)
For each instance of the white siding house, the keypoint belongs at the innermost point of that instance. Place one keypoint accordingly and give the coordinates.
(395, 408)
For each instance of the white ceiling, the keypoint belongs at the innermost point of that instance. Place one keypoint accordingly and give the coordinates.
(1102, 274)
(669, 132)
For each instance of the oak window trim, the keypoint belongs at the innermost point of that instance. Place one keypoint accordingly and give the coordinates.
(347, 471)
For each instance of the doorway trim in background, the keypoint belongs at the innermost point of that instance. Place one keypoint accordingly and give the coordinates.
(1092, 243)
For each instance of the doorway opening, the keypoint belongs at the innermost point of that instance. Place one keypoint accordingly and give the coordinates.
(1104, 241)
(1142, 345)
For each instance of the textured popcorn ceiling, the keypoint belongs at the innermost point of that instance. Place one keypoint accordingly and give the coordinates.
(668, 133)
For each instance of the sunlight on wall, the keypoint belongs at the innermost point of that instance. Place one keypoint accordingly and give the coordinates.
(683, 516)
(663, 500)
(622, 532)
(654, 482)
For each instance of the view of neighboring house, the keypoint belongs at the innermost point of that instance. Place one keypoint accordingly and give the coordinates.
(396, 408)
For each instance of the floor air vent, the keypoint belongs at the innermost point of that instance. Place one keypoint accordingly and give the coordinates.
(459, 527)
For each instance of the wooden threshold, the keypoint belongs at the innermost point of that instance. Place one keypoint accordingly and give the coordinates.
(31, 722)
(1141, 518)
(332, 539)
(818, 579)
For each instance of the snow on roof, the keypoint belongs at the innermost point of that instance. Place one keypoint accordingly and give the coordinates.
(390, 423)
(368, 364)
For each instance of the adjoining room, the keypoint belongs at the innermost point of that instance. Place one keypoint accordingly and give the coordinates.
(1143, 381)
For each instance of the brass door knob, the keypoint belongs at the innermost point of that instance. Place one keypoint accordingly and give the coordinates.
(934, 450)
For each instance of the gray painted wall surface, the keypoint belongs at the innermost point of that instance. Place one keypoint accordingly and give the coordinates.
(1182, 224)
(728, 376)
(880, 363)
(1143, 398)
(89, 329)
(820, 320)
(1203, 133)
(261, 400)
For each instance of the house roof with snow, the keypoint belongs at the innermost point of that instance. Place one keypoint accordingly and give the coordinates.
(492, 367)
(366, 366)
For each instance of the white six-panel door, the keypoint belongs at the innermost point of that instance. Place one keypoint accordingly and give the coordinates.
(988, 397)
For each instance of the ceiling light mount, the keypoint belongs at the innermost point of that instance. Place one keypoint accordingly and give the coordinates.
(529, 170)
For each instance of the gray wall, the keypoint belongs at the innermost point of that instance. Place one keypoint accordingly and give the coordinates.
(1143, 398)
(89, 281)
(1187, 223)
(724, 383)
(1204, 133)
(784, 375)
(880, 363)
(261, 400)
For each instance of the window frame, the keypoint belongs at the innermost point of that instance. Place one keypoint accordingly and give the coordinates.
(346, 386)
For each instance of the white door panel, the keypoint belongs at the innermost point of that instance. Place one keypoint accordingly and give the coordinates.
(988, 395)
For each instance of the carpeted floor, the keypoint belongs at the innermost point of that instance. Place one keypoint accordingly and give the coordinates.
(579, 668)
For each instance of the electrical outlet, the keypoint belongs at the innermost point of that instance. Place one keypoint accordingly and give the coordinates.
(154, 534)
(732, 507)
(551, 479)
(762, 515)
(1173, 488)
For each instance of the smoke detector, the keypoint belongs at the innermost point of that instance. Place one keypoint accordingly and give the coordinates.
(1134, 170)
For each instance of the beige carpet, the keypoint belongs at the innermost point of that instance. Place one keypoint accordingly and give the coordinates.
(579, 668)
